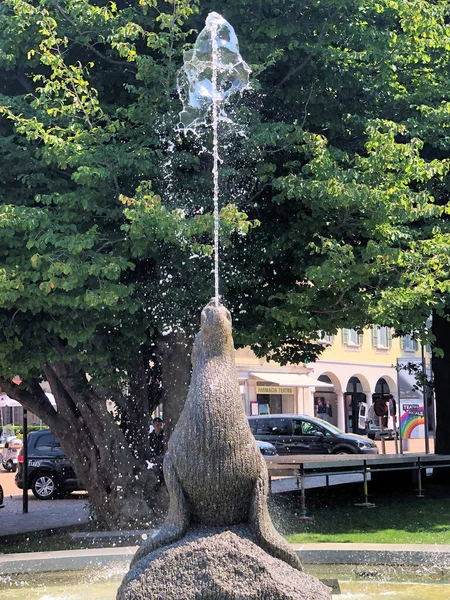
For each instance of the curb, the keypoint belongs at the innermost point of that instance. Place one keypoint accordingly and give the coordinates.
(11, 538)
(100, 539)
(368, 554)
(64, 560)
(310, 554)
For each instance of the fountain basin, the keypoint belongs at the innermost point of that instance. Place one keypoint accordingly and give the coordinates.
(348, 556)
(357, 582)
(96, 573)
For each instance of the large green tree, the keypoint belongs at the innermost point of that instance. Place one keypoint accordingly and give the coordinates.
(338, 160)
(362, 183)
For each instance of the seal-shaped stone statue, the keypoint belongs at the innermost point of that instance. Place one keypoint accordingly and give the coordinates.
(218, 542)
(213, 469)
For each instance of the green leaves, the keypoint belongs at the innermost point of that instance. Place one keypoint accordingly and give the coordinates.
(333, 192)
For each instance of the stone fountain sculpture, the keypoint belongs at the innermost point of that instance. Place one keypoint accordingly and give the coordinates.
(218, 541)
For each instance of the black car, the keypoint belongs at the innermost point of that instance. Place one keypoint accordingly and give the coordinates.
(266, 448)
(301, 434)
(49, 471)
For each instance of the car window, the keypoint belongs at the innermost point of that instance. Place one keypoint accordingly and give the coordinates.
(306, 428)
(253, 425)
(48, 443)
(272, 427)
(45, 442)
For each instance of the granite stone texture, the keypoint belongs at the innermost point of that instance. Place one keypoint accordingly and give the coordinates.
(216, 478)
(209, 564)
(213, 469)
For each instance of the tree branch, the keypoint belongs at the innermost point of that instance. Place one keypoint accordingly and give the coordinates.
(32, 398)
(303, 64)
(86, 44)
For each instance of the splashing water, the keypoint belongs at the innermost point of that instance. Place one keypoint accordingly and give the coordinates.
(212, 71)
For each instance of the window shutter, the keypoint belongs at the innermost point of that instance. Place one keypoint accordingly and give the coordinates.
(415, 345)
(402, 342)
(389, 337)
(375, 336)
(360, 339)
(345, 336)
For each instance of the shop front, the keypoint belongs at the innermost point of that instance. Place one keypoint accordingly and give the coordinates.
(281, 393)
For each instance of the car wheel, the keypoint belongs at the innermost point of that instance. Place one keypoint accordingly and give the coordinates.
(44, 487)
(10, 466)
(343, 451)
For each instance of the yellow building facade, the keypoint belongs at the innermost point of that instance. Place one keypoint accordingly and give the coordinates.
(354, 368)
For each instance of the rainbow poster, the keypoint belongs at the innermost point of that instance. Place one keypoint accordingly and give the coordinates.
(410, 399)
(411, 420)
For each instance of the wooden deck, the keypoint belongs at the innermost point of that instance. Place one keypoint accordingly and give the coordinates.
(319, 464)
(302, 466)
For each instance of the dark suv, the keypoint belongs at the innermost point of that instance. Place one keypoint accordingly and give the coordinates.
(301, 434)
(49, 471)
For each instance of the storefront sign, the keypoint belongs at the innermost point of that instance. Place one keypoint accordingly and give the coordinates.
(274, 390)
(410, 399)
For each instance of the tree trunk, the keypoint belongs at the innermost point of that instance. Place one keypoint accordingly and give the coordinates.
(175, 356)
(122, 489)
(441, 372)
(110, 458)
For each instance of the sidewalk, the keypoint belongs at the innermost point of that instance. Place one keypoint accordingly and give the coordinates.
(56, 514)
(42, 515)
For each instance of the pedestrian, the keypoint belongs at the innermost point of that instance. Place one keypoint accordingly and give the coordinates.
(321, 409)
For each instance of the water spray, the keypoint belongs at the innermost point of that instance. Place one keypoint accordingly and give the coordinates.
(212, 71)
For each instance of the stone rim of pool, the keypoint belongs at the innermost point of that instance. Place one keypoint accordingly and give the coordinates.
(408, 555)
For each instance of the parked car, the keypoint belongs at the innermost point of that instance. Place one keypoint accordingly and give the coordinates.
(1, 497)
(49, 471)
(301, 434)
(370, 420)
(266, 448)
(9, 454)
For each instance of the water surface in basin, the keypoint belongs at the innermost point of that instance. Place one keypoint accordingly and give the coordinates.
(102, 584)
(359, 590)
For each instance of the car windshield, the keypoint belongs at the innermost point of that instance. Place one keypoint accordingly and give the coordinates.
(329, 426)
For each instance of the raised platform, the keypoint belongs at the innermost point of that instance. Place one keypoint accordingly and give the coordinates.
(294, 464)
(302, 466)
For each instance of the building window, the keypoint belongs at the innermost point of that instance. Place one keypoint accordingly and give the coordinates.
(325, 338)
(351, 337)
(409, 344)
(381, 336)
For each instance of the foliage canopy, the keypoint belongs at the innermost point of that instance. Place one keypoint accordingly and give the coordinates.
(334, 187)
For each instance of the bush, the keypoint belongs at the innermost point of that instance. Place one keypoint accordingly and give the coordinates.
(18, 429)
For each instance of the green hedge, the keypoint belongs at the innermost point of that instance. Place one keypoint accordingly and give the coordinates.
(18, 429)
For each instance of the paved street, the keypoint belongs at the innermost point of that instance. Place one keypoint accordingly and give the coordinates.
(73, 510)
(41, 515)
(8, 485)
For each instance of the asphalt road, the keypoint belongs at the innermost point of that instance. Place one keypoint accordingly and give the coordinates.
(8, 485)
(42, 514)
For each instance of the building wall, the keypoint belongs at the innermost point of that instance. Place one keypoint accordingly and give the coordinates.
(364, 367)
